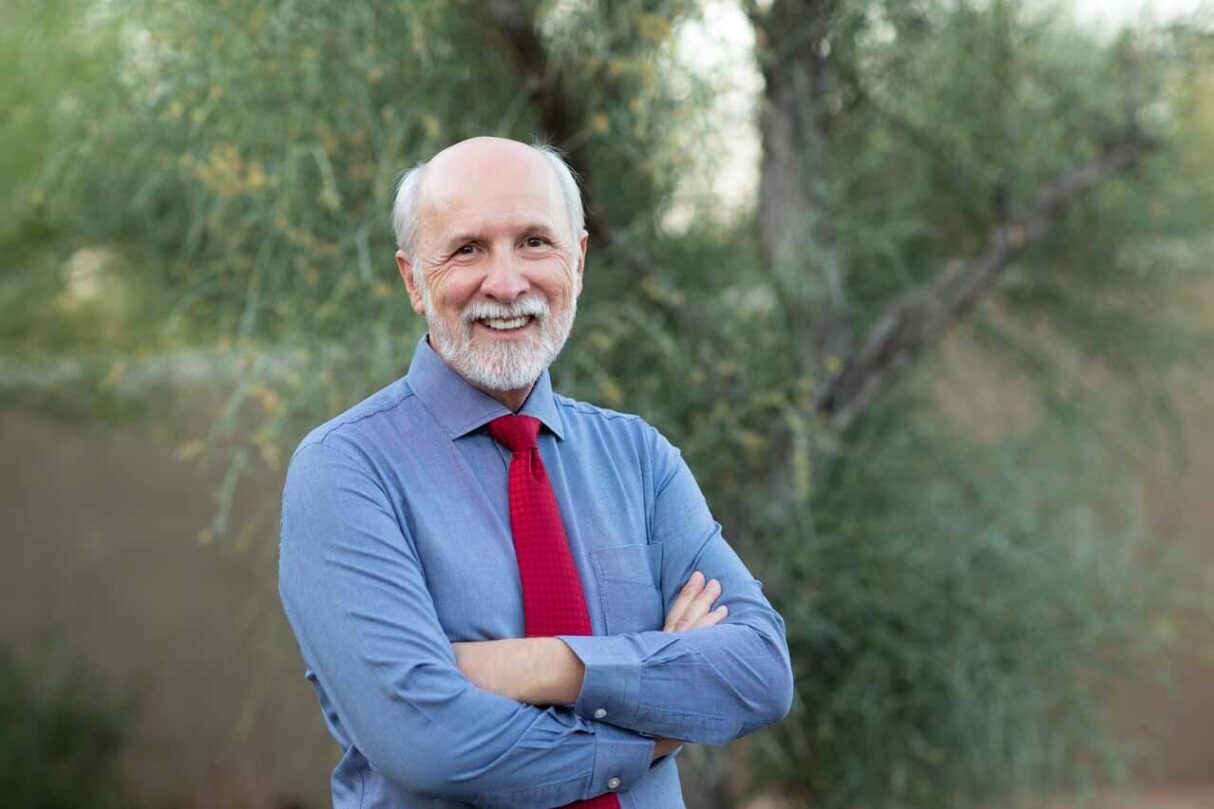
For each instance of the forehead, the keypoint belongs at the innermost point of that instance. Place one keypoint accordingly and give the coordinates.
(488, 190)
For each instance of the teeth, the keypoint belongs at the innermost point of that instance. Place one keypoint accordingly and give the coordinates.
(502, 325)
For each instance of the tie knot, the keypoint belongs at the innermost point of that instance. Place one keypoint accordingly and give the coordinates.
(515, 432)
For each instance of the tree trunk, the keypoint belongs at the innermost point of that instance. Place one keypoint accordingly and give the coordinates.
(795, 54)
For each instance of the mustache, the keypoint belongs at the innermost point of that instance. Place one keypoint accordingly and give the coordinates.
(529, 306)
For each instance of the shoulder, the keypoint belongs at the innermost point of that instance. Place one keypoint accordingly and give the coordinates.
(359, 429)
(623, 431)
(581, 416)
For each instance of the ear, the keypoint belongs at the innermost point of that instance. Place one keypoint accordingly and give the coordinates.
(581, 262)
(406, 274)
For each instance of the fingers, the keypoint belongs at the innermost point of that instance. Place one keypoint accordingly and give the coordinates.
(701, 605)
(690, 590)
(714, 617)
(693, 608)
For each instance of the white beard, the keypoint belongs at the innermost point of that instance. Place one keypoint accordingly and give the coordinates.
(501, 366)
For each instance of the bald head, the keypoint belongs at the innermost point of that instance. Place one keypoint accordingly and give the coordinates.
(467, 163)
(470, 165)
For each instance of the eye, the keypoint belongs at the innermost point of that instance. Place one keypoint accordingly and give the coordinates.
(466, 249)
(535, 241)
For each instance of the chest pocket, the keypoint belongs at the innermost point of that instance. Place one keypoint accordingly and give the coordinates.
(629, 579)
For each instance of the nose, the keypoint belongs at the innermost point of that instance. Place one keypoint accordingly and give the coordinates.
(505, 281)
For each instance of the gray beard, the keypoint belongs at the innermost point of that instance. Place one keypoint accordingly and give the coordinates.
(501, 366)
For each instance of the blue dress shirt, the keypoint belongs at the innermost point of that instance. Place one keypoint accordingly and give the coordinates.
(396, 542)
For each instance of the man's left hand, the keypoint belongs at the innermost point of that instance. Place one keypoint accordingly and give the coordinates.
(693, 608)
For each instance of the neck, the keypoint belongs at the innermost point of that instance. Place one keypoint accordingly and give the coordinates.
(512, 399)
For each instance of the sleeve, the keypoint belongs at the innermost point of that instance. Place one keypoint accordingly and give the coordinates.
(712, 684)
(355, 594)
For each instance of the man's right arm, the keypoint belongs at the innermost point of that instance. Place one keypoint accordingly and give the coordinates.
(545, 671)
(356, 597)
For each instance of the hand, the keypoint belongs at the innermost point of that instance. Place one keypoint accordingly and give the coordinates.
(664, 747)
(692, 609)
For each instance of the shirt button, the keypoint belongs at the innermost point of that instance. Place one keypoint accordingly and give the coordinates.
(613, 783)
(599, 713)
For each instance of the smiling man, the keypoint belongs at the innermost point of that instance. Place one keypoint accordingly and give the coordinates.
(505, 597)
(498, 275)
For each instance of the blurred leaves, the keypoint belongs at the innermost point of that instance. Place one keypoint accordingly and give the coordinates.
(955, 610)
(60, 739)
(199, 200)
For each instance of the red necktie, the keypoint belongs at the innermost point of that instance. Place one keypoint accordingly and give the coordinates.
(553, 601)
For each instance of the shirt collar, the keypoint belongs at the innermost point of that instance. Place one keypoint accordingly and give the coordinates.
(461, 408)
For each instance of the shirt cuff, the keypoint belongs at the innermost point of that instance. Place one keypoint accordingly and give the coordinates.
(621, 757)
(612, 682)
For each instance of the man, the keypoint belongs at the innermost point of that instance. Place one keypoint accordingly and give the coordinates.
(504, 597)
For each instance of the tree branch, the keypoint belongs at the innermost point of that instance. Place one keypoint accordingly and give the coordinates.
(916, 321)
(559, 112)
(560, 115)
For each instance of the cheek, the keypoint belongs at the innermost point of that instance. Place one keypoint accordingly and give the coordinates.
(454, 289)
(559, 285)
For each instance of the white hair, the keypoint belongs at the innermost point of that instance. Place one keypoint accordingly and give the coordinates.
(404, 208)
(407, 198)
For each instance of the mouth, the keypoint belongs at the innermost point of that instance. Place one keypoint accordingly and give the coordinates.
(506, 325)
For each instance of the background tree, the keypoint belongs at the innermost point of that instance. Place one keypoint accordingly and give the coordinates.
(953, 601)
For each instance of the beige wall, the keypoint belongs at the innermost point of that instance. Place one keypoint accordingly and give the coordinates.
(1173, 705)
(1179, 711)
(102, 560)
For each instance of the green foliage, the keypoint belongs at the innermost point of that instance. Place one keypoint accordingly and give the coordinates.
(244, 163)
(40, 76)
(956, 610)
(59, 742)
(963, 116)
(952, 604)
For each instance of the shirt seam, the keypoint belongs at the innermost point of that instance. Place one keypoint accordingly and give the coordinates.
(660, 488)
(588, 409)
(409, 394)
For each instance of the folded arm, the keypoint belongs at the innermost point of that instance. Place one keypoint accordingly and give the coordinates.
(694, 682)
(355, 595)
(545, 671)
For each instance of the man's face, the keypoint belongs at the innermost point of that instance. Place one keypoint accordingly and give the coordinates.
(499, 268)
